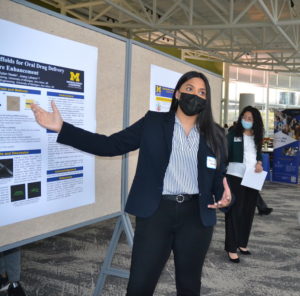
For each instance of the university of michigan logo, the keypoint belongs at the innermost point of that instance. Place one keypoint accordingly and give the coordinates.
(158, 89)
(75, 76)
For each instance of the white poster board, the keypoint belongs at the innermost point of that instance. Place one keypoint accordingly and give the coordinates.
(162, 83)
(37, 175)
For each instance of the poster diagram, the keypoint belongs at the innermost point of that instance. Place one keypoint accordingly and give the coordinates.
(162, 84)
(38, 176)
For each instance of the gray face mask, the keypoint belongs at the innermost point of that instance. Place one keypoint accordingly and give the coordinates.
(191, 104)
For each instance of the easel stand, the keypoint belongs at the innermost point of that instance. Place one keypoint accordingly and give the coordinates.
(123, 224)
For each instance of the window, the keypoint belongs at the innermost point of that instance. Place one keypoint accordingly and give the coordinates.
(283, 92)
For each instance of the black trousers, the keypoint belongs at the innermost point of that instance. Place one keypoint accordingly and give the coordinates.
(238, 220)
(173, 227)
(261, 205)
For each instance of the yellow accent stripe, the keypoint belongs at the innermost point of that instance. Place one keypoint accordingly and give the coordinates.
(162, 99)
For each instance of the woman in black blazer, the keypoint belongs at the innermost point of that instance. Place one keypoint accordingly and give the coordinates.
(179, 182)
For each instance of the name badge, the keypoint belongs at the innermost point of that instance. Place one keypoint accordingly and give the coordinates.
(211, 162)
(237, 139)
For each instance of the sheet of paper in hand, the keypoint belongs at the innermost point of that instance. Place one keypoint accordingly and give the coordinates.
(254, 180)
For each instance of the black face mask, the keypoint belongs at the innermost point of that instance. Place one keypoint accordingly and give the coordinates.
(191, 104)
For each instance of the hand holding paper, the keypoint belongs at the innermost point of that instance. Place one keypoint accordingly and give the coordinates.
(254, 180)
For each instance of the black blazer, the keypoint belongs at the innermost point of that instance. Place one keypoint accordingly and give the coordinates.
(152, 134)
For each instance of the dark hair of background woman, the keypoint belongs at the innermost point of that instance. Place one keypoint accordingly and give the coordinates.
(258, 126)
(213, 133)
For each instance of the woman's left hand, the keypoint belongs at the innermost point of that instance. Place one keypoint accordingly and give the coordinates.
(258, 167)
(226, 198)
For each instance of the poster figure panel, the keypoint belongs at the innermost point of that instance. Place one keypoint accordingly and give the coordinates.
(286, 155)
(38, 176)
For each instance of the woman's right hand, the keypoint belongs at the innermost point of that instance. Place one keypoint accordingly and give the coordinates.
(50, 120)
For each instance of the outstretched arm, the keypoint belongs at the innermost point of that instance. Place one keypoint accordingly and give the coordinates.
(117, 144)
(50, 120)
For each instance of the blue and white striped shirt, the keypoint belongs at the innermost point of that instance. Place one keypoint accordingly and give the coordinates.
(182, 172)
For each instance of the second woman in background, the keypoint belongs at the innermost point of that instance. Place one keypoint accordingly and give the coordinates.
(244, 152)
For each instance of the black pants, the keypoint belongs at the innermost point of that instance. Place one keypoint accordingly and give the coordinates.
(238, 220)
(173, 227)
(261, 205)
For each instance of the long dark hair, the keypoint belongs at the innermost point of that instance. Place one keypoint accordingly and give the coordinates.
(258, 126)
(213, 133)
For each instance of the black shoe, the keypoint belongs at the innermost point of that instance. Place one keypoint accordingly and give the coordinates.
(4, 283)
(244, 252)
(265, 211)
(15, 289)
(236, 260)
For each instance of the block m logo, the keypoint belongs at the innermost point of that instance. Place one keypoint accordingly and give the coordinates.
(75, 76)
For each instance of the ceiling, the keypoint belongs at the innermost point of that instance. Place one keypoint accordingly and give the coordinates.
(258, 34)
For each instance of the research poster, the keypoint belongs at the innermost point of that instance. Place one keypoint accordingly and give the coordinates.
(162, 84)
(286, 146)
(37, 175)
